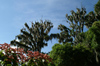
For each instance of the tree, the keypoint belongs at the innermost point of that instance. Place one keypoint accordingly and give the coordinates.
(93, 16)
(90, 19)
(79, 38)
(68, 55)
(35, 37)
(64, 35)
(97, 10)
(92, 39)
(85, 53)
(76, 21)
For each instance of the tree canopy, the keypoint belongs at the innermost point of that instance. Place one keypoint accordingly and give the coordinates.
(68, 55)
(35, 37)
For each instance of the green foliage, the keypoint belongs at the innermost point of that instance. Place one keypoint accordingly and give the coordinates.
(79, 38)
(1, 63)
(90, 19)
(36, 62)
(64, 35)
(8, 64)
(92, 36)
(68, 55)
(76, 21)
(1, 55)
(92, 40)
(1, 58)
(97, 10)
(4, 59)
(31, 63)
(96, 24)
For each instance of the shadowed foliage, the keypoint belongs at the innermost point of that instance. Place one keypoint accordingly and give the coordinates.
(97, 10)
(77, 21)
(68, 55)
(35, 37)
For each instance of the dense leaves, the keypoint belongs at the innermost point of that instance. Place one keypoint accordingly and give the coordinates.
(90, 19)
(17, 56)
(97, 10)
(35, 37)
(92, 39)
(64, 35)
(76, 21)
(68, 55)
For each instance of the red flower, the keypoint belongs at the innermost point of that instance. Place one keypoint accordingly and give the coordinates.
(19, 52)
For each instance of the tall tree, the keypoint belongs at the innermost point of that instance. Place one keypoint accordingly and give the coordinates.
(97, 10)
(76, 21)
(35, 37)
(90, 19)
(65, 35)
(93, 16)
(92, 39)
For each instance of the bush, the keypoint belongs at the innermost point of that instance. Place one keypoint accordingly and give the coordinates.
(68, 55)
(11, 56)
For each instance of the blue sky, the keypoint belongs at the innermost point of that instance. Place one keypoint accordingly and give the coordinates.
(14, 13)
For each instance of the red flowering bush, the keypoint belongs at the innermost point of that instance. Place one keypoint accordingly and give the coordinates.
(13, 56)
(38, 58)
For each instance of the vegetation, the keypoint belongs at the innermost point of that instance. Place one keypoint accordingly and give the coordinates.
(77, 48)
(85, 48)
(35, 37)
(97, 10)
(85, 53)
(13, 57)
(68, 55)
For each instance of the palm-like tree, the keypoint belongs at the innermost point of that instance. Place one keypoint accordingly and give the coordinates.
(91, 17)
(65, 34)
(76, 21)
(34, 38)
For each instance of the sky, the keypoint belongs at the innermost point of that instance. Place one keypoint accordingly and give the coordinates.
(14, 13)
